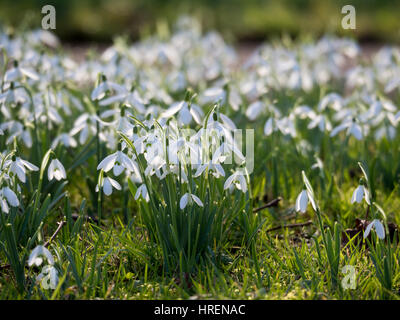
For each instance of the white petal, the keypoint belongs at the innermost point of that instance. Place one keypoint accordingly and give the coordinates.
(29, 165)
(312, 201)
(126, 161)
(30, 73)
(117, 170)
(242, 182)
(358, 195)
(268, 128)
(302, 201)
(368, 230)
(112, 99)
(366, 196)
(173, 109)
(114, 183)
(355, 130)
(337, 129)
(197, 200)
(380, 230)
(184, 201)
(4, 206)
(107, 163)
(229, 181)
(11, 197)
(107, 187)
(20, 171)
(50, 171)
(254, 110)
(185, 116)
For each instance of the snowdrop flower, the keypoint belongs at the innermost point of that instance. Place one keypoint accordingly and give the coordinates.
(189, 198)
(213, 95)
(254, 110)
(84, 124)
(284, 125)
(226, 150)
(332, 99)
(302, 201)
(18, 130)
(48, 277)
(378, 227)
(215, 168)
(185, 114)
(56, 170)
(7, 196)
(238, 180)
(107, 184)
(105, 86)
(37, 255)
(142, 191)
(12, 96)
(269, 127)
(17, 73)
(118, 161)
(19, 167)
(318, 164)
(359, 194)
(235, 100)
(320, 121)
(352, 127)
(129, 98)
(65, 139)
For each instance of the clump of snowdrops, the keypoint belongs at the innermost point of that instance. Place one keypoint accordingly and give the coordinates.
(120, 137)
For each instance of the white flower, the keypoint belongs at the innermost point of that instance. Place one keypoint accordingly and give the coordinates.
(56, 170)
(352, 127)
(66, 139)
(142, 191)
(269, 127)
(215, 168)
(238, 180)
(84, 124)
(17, 73)
(225, 151)
(100, 91)
(213, 95)
(359, 193)
(7, 194)
(20, 131)
(320, 121)
(19, 166)
(188, 198)
(129, 98)
(302, 201)
(107, 184)
(49, 277)
(117, 161)
(379, 229)
(254, 110)
(37, 255)
(184, 113)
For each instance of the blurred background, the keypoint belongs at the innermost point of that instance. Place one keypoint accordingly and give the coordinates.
(250, 20)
